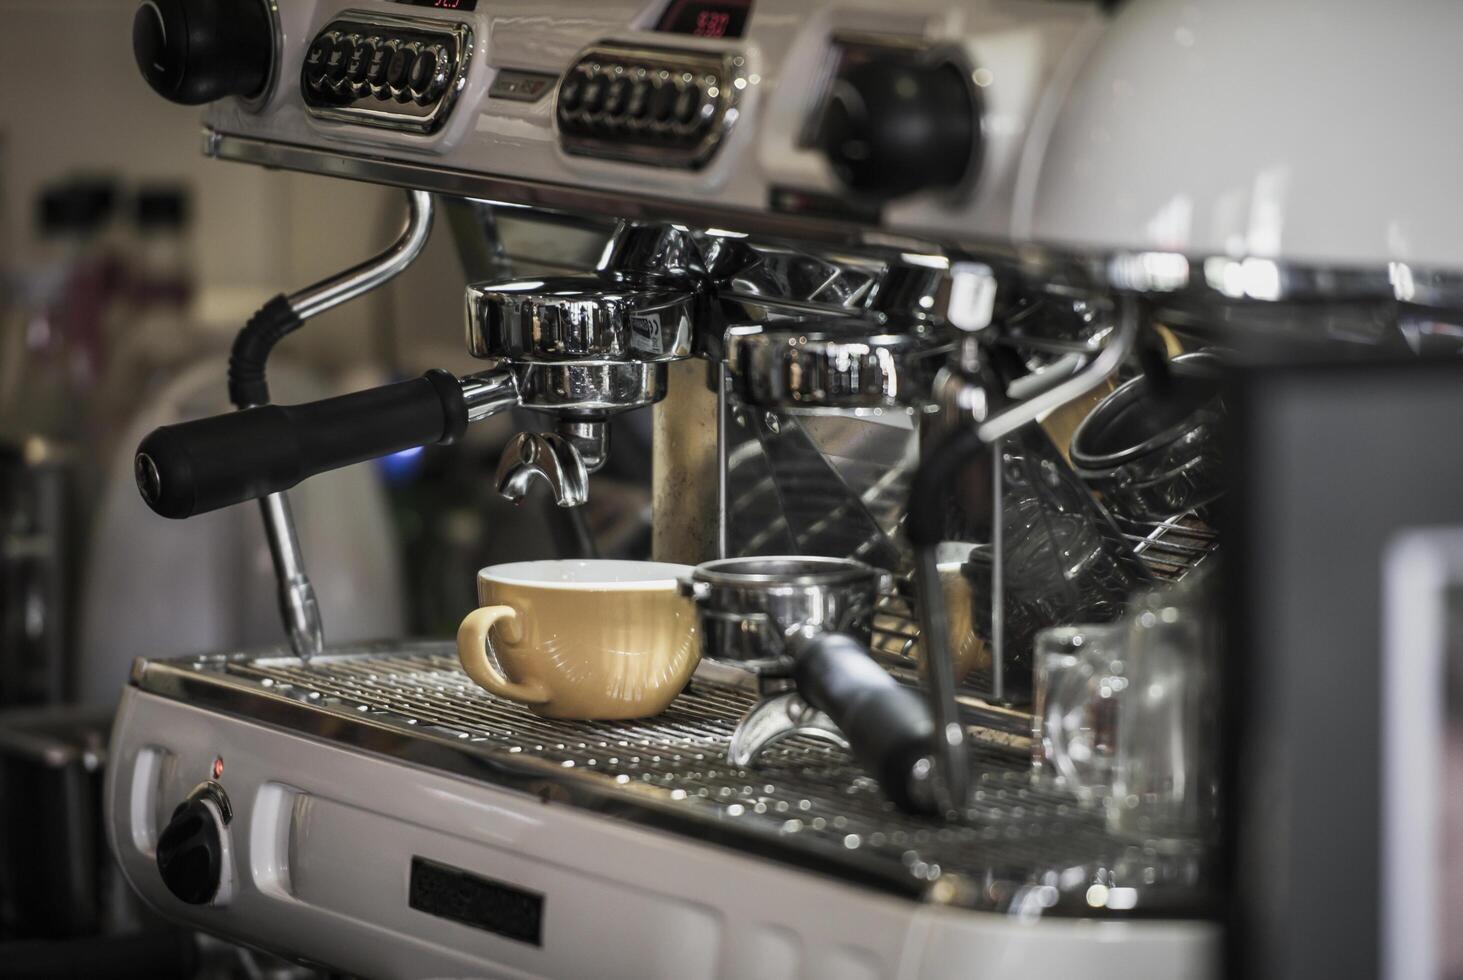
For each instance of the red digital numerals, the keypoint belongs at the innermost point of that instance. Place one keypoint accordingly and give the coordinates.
(712, 23)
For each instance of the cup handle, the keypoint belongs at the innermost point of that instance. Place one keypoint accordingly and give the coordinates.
(472, 650)
(1063, 700)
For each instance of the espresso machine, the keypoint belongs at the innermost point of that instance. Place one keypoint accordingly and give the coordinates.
(920, 287)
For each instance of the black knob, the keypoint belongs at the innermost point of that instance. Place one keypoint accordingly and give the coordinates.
(894, 126)
(190, 853)
(195, 51)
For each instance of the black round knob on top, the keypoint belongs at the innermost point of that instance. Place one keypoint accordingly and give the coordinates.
(195, 51)
(190, 853)
(894, 126)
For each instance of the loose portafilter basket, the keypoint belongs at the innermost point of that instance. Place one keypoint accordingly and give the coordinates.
(808, 618)
(1153, 450)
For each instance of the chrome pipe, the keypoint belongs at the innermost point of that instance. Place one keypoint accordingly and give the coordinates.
(998, 573)
(297, 603)
(345, 286)
(1111, 357)
(488, 393)
(950, 752)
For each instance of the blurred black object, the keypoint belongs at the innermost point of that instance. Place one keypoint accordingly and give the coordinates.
(76, 206)
(1339, 458)
(37, 571)
(161, 206)
(54, 861)
(160, 954)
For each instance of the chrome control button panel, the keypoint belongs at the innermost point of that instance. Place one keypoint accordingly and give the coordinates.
(655, 106)
(387, 71)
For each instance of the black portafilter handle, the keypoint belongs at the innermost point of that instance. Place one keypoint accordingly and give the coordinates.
(196, 467)
(888, 726)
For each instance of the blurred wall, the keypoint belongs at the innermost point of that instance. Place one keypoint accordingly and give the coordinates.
(76, 103)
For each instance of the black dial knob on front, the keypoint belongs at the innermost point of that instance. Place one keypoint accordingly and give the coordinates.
(894, 126)
(195, 51)
(190, 853)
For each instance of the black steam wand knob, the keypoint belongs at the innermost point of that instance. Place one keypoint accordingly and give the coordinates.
(893, 126)
(196, 51)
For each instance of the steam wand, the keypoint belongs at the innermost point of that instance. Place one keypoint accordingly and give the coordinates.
(248, 389)
(971, 309)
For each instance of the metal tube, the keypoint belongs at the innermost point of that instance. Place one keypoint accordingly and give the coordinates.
(297, 603)
(488, 393)
(329, 293)
(723, 474)
(998, 575)
(949, 749)
(1105, 363)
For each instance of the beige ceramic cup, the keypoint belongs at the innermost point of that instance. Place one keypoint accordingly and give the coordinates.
(968, 648)
(586, 639)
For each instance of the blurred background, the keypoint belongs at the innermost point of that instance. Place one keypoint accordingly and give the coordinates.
(127, 263)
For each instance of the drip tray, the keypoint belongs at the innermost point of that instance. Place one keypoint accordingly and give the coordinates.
(1020, 846)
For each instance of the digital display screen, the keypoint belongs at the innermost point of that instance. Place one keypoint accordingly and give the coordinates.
(442, 4)
(705, 18)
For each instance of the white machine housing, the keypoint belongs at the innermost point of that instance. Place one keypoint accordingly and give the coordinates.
(322, 838)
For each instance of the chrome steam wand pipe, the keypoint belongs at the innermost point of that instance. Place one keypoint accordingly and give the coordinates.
(952, 760)
(345, 286)
(971, 306)
(971, 309)
(297, 603)
(998, 573)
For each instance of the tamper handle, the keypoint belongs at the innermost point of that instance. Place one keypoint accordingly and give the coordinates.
(199, 466)
(888, 726)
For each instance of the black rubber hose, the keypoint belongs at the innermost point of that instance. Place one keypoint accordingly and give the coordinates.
(247, 384)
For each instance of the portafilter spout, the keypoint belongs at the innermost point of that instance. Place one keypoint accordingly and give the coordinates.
(563, 459)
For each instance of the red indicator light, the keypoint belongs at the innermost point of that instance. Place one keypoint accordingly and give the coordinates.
(218, 767)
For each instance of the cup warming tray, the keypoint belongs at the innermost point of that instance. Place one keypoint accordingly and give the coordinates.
(1020, 847)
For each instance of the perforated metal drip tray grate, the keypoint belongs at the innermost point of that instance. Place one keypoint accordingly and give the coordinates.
(1019, 847)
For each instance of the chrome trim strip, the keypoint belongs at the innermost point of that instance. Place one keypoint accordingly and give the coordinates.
(571, 199)
(1233, 281)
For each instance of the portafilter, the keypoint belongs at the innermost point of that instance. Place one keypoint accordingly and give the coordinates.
(579, 349)
(809, 619)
